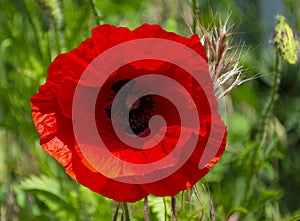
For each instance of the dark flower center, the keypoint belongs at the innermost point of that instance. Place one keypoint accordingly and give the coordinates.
(139, 113)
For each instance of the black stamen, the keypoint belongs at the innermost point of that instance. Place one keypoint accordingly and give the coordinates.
(139, 113)
(119, 84)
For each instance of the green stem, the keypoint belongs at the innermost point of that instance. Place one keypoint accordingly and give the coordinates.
(270, 104)
(126, 211)
(165, 207)
(263, 127)
(194, 5)
(96, 14)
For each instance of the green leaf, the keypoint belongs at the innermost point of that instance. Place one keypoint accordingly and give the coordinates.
(49, 191)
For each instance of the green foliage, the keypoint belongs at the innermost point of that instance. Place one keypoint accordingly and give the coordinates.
(49, 193)
(262, 186)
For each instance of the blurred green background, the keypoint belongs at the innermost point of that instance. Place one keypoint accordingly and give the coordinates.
(33, 186)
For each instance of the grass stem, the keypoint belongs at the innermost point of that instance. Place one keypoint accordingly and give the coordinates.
(194, 6)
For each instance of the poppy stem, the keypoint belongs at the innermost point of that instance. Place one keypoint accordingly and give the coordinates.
(116, 212)
(126, 211)
(212, 210)
(190, 198)
(262, 133)
(146, 209)
(182, 199)
(173, 206)
(270, 104)
(165, 207)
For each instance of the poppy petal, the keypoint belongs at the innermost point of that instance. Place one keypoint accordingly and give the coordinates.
(55, 121)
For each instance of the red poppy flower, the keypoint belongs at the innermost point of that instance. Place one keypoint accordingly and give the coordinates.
(108, 91)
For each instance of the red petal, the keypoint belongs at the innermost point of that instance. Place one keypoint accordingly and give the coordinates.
(52, 115)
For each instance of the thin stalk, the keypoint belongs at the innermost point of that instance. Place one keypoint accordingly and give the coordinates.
(262, 130)
(182, 199)
(266, 113)
(126, 211)
(194, 6)
(165, 207)
(116, 212)
(212, 210)
(146, 209)
(96, 14)
(173, 206)
(270, 104)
